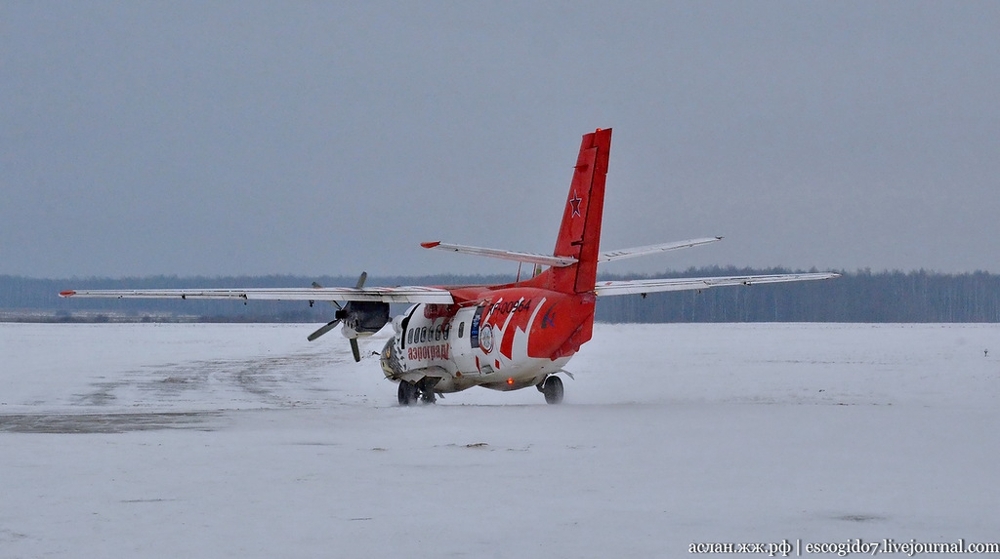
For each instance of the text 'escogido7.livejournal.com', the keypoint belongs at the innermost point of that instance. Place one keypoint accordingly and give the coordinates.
(798, 548)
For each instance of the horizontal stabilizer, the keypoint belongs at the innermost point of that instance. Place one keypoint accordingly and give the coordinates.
(652, 249)
(687, 284)
(564, 261)
(557, 261)
(409, 294)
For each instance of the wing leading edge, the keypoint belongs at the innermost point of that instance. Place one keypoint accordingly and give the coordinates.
(686, 284)
(407, 294)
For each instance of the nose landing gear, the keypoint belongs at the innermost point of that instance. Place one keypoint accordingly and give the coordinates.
(408, 393)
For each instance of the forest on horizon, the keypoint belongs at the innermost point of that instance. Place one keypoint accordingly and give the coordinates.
(860, 296)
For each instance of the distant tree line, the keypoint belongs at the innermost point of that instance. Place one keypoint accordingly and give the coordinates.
(861, 296)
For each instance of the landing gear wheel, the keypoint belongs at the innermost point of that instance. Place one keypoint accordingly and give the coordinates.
(553, 390)
(406, 393)
(427, 397)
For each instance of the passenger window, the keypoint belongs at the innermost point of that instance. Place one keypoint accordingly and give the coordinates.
(409, 336)
(461, 329)
(437, 334)
(445, 330)
(423, 334)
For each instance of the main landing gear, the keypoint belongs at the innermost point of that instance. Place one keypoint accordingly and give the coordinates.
(552, 388)
(408, 394)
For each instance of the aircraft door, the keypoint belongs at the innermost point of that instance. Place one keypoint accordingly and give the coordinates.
(465, 339)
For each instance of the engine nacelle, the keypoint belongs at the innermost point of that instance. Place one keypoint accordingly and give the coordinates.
(363, 318)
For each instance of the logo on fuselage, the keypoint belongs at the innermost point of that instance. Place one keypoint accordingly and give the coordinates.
(486, 338)
(549, 318)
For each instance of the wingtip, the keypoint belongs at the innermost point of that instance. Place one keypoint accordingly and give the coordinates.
(430, 244)
(67, 293)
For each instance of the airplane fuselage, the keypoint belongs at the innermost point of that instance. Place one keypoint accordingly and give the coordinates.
(504, 339)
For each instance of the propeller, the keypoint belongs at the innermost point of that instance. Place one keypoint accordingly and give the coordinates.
(342, 313)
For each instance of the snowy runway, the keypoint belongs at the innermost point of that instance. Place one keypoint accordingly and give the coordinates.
(248, 441)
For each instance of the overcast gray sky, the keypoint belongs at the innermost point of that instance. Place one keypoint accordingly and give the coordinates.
(226, 138)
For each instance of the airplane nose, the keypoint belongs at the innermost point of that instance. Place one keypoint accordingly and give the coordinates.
(389, 360)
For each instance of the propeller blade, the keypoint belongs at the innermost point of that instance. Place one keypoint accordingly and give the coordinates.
(333, 324)
(355, 350)
(324, 329)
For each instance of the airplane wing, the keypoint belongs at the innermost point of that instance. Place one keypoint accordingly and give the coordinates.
(684, 284)
(557, 261)
(651, 249)
(562, 261)
(408, 294)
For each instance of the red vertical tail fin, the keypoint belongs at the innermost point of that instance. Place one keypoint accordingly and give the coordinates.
(580, 231)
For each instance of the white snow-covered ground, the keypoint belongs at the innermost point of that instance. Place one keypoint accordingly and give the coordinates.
(248, 441)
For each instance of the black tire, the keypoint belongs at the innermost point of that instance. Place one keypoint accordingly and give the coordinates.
(553, 390)
(406, 393)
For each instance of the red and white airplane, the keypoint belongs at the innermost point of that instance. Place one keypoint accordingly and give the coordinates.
(504, 337)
